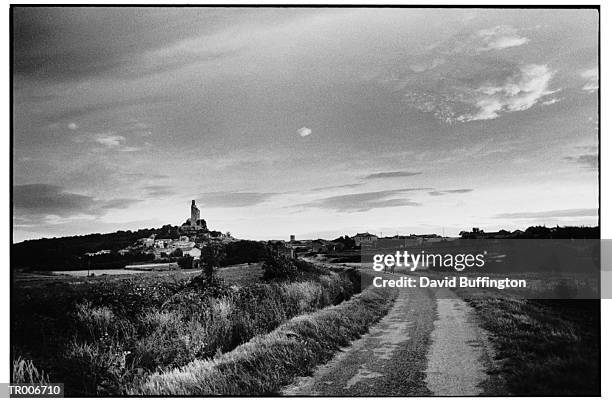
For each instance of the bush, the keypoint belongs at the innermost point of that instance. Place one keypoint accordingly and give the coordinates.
(279, 268)
(185, 262)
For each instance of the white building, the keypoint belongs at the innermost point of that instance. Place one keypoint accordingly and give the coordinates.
(194, 252)
(162, 242)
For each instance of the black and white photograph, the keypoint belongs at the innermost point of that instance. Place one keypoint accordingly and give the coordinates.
(367, 200)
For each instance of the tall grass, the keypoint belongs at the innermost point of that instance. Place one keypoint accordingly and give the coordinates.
(24, 371)
(268, 362)
(104, 347)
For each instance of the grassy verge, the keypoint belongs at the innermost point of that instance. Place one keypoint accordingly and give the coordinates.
(266, 363)
(544, 348)
(100, 338)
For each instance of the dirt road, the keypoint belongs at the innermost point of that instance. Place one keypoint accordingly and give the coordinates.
(428, 344)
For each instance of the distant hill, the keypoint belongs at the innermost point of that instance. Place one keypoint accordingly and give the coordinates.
(68, 252)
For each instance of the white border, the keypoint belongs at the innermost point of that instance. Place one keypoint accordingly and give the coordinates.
(606, 192)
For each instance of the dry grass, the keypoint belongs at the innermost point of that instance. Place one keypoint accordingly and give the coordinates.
(544, 348)
(24, 371)
(266, 363)
(100, 338)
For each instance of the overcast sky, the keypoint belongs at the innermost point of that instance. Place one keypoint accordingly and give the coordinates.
(314, 122)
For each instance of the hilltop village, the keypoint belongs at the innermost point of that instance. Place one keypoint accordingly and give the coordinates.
(185, 246)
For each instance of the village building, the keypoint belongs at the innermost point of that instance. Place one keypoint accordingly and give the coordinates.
(364, 238)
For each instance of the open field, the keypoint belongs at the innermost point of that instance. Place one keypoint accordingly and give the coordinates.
(544, 347)
(242, 274)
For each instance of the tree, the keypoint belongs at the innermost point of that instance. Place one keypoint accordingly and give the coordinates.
(178, 253)
(347, 241)
(185, 262)
(211, 257)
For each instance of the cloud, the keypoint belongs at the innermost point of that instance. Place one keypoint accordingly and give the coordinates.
(518, 93)
(500, 37)
(138, 42)
(450, 191)
(551, 101)
(119, 203)
(116, 107)
(392, 174)
(109, 139)
(589, 161)
(234, 199)
(549, 214)
(35, 202)
(303, 132)
(592, 75)
(158, 190)
(476, 89)
(362, 202)
(336, 187)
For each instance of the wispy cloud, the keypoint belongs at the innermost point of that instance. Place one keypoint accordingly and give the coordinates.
(234, 199)
(500, 37)
(109, 139)
(497, 88)
(549, 214)
(364, 201)
(592, 76)
(118, 106)
(118, 203)
(35, 202)
(165, 41)
(519, 93)
(158, 190)
(392, 174)
(450, 191)
(589, 161)
(551, 101)
(332, 187)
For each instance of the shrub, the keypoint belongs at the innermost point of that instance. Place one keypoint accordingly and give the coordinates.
(279, 268)
(185, 262)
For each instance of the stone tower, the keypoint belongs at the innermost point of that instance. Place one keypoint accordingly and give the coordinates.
(195, 213)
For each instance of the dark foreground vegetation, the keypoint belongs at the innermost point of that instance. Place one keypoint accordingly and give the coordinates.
(268, 362)
(106, 337)
(544, 347)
